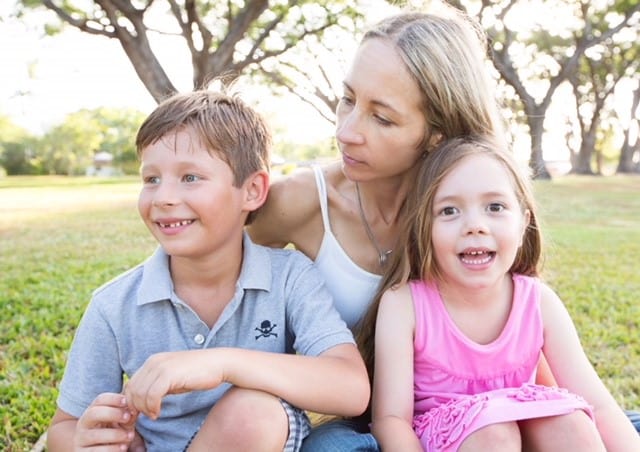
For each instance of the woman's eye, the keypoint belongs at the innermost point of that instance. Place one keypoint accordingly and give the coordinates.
(383, 121)
(346, 100)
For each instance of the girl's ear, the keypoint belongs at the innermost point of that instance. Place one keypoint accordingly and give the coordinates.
(256, 188)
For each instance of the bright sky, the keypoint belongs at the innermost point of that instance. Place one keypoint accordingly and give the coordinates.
(45, 78)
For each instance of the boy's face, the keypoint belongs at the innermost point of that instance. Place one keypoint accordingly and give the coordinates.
(187, 199)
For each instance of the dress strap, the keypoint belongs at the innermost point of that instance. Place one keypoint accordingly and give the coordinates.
(322, 194)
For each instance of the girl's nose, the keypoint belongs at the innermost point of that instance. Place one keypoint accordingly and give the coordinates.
(475, 224)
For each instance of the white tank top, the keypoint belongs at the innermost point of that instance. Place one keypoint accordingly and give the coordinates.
(351, 286)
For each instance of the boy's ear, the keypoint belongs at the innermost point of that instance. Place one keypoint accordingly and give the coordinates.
(256, 188)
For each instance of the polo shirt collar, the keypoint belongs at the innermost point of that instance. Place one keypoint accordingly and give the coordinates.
(256, 266)
(156, 283)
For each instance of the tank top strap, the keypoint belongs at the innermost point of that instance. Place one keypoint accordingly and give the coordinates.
(322, 194)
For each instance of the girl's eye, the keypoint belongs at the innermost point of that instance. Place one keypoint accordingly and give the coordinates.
(191, 178)
(151, 179)
(449, 210)
(495, 207)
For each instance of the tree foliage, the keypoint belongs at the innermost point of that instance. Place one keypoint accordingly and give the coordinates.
(536, 46)
(600, 70)
(16, 156)
(223, 39)
(535, 57)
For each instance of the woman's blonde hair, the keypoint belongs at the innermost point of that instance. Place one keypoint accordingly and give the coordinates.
(446, 54)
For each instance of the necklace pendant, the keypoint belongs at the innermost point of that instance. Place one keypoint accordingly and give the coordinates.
(384, 257)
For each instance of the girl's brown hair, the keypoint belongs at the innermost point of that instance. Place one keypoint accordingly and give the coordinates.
(414, 259)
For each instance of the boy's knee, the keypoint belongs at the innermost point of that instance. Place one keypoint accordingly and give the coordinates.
(244, 419)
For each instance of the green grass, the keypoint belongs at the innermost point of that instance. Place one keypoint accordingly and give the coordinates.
(61, 238)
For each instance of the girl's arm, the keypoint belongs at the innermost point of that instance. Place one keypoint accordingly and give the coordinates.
(392, 402)
(334, 382)
(573, 371)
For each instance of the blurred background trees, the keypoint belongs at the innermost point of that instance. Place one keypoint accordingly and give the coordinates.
(576, 56)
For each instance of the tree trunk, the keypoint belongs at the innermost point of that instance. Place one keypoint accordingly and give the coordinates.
(582, 163)
(536, 161)
(626, 164)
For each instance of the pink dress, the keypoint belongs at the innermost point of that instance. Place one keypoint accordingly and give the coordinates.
(461, 386)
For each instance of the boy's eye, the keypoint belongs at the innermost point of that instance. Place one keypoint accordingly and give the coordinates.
(191, 178)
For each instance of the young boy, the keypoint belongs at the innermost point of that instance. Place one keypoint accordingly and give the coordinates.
(225, 343)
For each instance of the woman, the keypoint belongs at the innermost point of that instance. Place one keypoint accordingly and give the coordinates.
(415, 79)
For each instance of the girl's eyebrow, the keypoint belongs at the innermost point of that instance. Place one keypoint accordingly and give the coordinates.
(454, 196)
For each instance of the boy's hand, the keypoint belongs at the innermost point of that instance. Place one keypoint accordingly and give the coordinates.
(106, 422)
(171, 373)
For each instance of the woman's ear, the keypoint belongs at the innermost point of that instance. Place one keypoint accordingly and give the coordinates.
(256, 188)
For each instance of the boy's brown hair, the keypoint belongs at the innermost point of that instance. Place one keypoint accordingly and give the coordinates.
(227, 126)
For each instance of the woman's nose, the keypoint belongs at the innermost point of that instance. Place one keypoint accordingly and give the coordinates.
(349, 128)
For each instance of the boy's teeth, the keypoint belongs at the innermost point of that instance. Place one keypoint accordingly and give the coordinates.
(176, 224)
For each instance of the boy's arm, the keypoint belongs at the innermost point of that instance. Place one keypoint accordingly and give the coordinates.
(334, 382)
(392, 399)
(107, 421)
(572, 369)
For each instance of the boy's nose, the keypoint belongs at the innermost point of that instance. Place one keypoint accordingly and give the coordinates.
(165, 195)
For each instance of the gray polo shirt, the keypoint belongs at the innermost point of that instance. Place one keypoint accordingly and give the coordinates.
(280, 305)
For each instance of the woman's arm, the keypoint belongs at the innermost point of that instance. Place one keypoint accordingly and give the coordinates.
(573, 371)
(392, 400)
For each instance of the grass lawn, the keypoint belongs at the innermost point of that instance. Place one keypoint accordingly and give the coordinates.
(61, 238)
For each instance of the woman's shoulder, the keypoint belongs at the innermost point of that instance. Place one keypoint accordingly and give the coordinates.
(291, 205)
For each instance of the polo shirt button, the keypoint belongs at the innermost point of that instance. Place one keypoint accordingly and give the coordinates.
(198, 339)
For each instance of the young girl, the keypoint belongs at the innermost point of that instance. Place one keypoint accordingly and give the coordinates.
(462, 320)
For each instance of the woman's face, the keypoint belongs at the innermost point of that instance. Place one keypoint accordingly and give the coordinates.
(380, 124)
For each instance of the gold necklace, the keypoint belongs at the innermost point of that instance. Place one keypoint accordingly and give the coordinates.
(383, 256)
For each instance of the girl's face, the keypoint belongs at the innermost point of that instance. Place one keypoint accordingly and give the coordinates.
(478, 224)
(379, 120)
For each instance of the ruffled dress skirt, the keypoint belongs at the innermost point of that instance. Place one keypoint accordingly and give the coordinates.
(446, 426)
